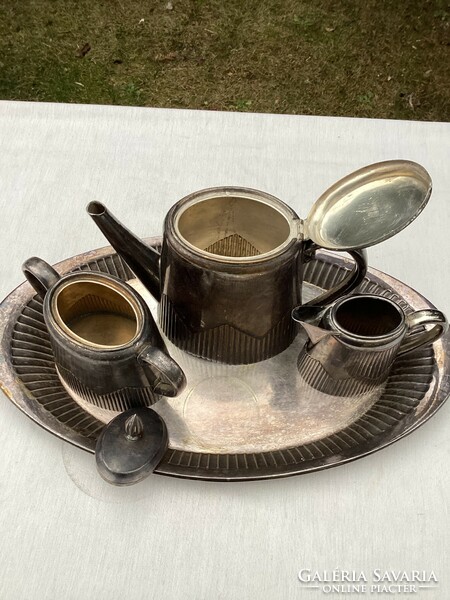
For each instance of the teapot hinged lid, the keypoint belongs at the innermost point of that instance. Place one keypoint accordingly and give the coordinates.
(369, 206)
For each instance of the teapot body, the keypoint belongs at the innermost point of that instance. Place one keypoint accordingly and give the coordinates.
(228, 284)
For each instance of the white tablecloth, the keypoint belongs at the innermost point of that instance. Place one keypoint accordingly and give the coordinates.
(65, 533)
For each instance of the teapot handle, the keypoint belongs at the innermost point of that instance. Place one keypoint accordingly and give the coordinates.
(40, 275)
(349, 283)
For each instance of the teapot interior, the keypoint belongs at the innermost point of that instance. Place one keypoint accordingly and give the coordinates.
(233, 226)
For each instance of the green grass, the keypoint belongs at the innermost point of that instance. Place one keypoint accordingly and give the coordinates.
(383, 58)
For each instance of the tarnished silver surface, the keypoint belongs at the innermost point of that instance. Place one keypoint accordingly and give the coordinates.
(239, 422)
(227, 308)
(130, 446)
(358, 338)
(104, 340)
(369, 206)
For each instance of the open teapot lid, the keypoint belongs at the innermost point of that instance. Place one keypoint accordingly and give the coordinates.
(369, 205)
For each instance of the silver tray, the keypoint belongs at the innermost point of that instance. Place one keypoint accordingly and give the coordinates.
(234, 422)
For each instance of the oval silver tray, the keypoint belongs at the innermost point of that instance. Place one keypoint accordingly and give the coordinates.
(240, 422)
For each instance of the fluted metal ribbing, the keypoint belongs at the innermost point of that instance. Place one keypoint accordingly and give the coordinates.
(225, 343)
(318, 378)
(118, 400)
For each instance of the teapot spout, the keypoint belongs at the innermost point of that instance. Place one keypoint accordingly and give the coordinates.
(141, 259)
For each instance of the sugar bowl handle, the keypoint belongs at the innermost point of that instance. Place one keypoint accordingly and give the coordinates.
(40, 275)
(164, 374)
(424, 317)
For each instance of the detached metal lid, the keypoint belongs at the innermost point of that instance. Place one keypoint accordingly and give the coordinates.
(369, 205)
(131, 446)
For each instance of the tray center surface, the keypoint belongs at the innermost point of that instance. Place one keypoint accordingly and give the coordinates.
(260, 407)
